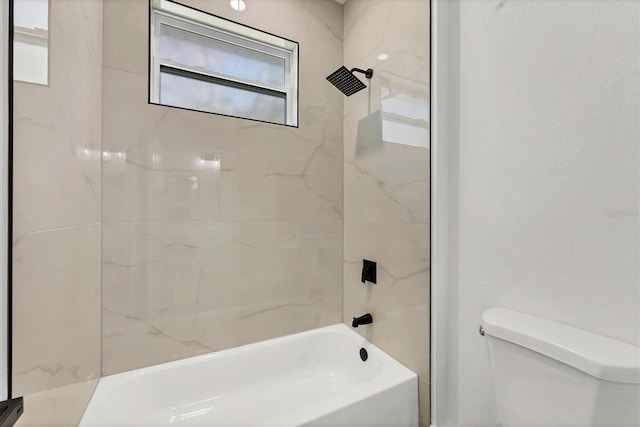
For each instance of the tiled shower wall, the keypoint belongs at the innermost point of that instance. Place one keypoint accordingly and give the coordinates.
(57, 215)
(386, 179)
(199, 258)
(194, 258)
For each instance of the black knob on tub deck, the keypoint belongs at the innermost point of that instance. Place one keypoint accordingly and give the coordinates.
(365, 319)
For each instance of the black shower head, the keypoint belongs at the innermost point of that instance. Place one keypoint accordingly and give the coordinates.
(346, 82)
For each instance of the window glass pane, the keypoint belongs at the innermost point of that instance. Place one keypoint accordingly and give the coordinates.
(197, 94)
(31, 41)
(31, 14)
(30, 60)
(195, 50)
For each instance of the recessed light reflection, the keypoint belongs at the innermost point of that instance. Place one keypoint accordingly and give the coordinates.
(106, 155)
(213, 163)
(383, 56)
(238, 5)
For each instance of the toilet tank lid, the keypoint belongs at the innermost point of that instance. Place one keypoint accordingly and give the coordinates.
(598, 356)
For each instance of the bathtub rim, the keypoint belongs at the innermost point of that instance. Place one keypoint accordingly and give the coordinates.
(393, 375)
(340, 328)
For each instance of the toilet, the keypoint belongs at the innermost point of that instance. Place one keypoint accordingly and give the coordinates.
(546, 373)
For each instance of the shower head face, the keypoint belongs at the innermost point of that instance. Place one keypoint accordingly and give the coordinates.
(345, 81)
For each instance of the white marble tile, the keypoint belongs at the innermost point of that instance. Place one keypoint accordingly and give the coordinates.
(393, 187)
(383, 181)
(84, 18)
(386, 179)
(398, 28)
(57, 128)
(56, 164)
(189, 288)
(399, 302)
(57, 188)
(126, 40)
(153, 270)
(386, 126)
(169, 164)
(56, 308)
(236, 225)
(162, 340)
(57, 407)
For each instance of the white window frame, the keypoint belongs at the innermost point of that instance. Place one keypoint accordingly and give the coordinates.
(164, 12)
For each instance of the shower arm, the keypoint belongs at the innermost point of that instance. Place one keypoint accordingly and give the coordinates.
(368, 73)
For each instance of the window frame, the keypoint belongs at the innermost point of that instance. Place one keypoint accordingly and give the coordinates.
(185, 18)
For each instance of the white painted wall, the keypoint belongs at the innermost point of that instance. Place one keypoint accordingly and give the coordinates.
(543, 138)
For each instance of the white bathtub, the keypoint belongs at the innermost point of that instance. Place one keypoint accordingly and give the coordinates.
(314, 378)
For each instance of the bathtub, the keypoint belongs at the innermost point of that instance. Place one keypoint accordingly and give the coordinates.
(314, 378)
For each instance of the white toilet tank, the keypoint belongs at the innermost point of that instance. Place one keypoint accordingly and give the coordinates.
(549, 374)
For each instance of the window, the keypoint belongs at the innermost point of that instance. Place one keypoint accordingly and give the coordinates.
(31, 41)
(206, 63)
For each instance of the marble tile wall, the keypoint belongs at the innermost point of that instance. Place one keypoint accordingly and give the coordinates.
(218, 231)
(57, 407)
(386, 179)
(250, 244)
(57, 221)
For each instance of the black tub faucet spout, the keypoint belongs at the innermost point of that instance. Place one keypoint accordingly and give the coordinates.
(365, 319)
